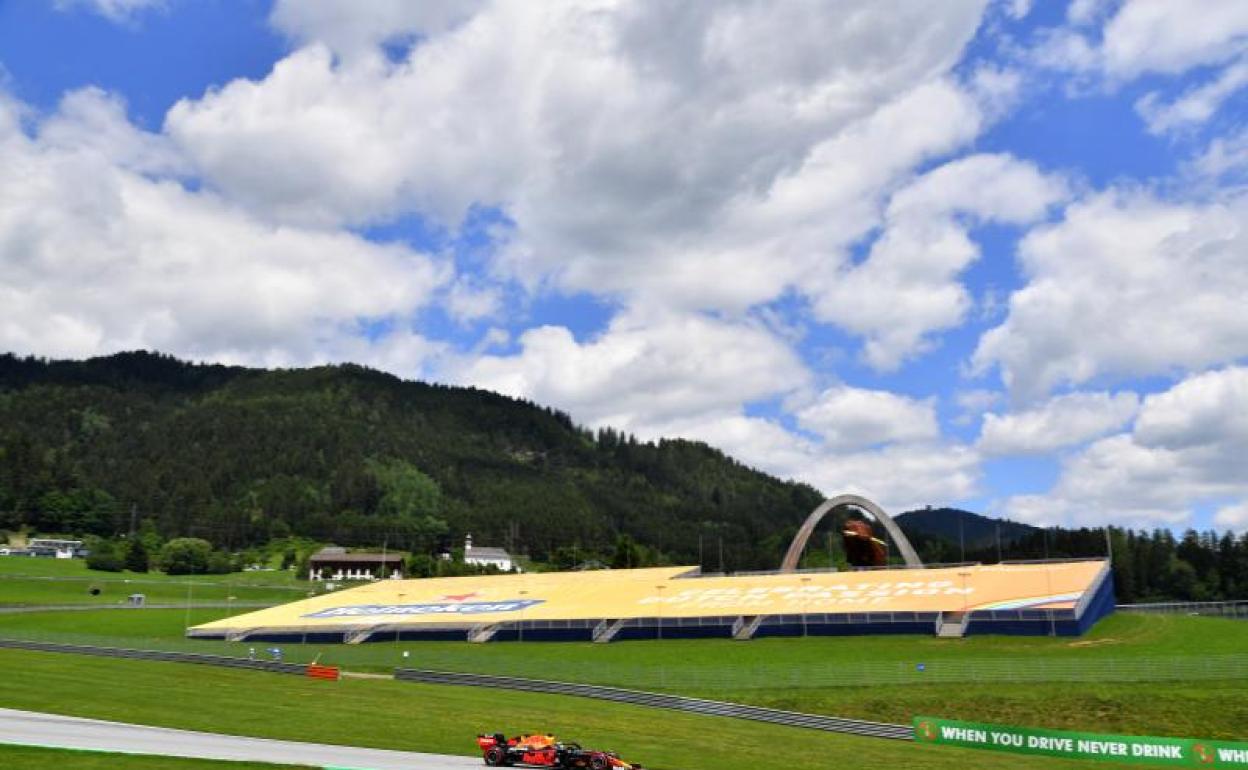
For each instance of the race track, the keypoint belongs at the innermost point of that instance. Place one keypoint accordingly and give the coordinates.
(35, 729)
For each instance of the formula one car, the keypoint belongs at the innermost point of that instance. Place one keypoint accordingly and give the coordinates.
(546, 751)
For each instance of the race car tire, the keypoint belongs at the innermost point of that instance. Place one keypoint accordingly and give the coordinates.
(496, 756)
(599, 762)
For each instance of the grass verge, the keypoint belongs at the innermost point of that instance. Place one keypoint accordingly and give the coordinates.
(31, 581)
(781, 673)
(395, 715)
(28, 758)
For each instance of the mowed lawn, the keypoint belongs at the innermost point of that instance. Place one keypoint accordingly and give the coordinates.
(31, 581)
(1119, 636)
(397, 715)
(783, 673)
(24, 758)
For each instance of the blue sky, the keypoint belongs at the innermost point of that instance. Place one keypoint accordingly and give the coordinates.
(985, 252)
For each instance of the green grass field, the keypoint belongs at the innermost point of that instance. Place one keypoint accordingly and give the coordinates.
(26, 581)
(397, 715)
(1116, 637)
(786, 673)
(24, 758)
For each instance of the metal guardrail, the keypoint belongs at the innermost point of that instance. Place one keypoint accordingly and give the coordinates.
(158, 655)
(659, 700)
(709, 681)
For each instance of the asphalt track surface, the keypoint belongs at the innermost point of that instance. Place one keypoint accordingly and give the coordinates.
(29, 728)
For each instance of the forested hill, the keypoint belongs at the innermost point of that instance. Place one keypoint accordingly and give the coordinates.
(970, 530)
(354, 456)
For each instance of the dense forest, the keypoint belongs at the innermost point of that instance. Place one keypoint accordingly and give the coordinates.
(1148, 566)
(142, 445)
(353, 456)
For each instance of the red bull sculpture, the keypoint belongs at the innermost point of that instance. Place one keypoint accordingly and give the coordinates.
(862, 547)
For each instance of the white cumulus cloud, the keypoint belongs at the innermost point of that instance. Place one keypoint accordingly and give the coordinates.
(1194, 106)
(1143, 36)
(644, 372)
(116, 10)
(104, 250)
(354, 28)
(689, 376)
(1233, 516)
(1157, 37)
(1061, 422)
(1126, 285)
(636, 147)
(909, 284)
(853, 418)
(1185, 450)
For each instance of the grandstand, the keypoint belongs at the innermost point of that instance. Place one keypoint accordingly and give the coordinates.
(1059, 597)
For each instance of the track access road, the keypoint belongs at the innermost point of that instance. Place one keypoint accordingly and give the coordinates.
(30, 728)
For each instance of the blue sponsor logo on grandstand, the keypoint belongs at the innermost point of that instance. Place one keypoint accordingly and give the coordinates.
(458, 608)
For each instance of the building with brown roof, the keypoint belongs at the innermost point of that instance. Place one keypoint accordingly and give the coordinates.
(338, 565)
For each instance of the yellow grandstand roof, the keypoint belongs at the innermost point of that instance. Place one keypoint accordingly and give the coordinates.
(670, 592)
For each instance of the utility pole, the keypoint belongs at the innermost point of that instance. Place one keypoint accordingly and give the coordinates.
(961, 536)
(189, 585)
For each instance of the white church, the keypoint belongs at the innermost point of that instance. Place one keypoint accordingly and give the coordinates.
(484, 557)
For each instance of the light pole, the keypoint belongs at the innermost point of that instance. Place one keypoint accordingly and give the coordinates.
(188, 602)
(964, 574)
(805, 607)
(660, 590)
(522, 608)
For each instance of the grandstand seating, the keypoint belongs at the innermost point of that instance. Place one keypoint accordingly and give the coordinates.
(1060, 597)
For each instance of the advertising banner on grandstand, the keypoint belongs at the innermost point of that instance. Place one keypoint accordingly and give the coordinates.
(672, 592)
(1131, 749)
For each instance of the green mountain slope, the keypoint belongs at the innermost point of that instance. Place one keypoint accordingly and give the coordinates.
(355, 456)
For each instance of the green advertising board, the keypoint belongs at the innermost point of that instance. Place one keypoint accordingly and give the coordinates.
(1133, 749)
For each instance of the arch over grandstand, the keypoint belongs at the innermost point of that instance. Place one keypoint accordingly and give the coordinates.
(798, 545)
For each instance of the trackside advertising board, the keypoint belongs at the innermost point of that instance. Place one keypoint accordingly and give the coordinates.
(1132, 749)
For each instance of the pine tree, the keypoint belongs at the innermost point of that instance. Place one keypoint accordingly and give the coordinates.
(137, 559)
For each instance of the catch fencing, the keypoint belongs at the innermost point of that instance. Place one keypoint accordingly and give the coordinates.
(693, 678)
(660, 700)
(1233, 609)
(158, 655)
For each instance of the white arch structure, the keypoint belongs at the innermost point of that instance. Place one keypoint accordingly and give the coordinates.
(798, 545)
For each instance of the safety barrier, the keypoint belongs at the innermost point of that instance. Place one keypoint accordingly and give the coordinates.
(332, 673)
(659, 700)
(158, 655)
